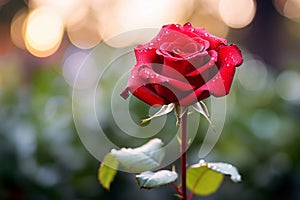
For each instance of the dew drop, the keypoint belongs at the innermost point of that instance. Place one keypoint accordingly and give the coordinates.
(236, 178)
(202, 161)
(132, 76)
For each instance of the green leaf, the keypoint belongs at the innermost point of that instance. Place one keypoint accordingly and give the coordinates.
(226, 169)
(107, 170)
(205, 178)
(203, 181)
(156, 179)
(144, 158)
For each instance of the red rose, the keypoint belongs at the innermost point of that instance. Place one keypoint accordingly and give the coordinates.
(182, 65)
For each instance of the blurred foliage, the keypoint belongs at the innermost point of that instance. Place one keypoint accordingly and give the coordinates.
(42, 157)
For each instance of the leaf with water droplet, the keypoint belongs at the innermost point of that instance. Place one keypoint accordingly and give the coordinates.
(203, 181)
(144, 158)
(150, 179)
(204, 178)
(226, 169)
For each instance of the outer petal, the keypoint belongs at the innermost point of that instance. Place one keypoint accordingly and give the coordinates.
(145, 54)
(197, 95)
(139, 88)
(151, 77)
(213, 40)
(229, 58)
(146, 94)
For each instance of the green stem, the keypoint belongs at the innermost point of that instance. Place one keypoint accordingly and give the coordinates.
(183, 129)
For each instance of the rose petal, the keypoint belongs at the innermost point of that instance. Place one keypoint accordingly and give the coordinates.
(170, 68)
(214, 41)
(171, 95)
(179, 68)
(213, 58)
(150, 76)
(146, 94)
(145, 54)
(190, 32)
(229, 58)
(230, 55)
(198, 95)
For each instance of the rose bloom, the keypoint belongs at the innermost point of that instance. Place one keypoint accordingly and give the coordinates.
(182, 65)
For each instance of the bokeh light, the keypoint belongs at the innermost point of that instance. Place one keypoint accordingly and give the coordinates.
(206, 15)
(258, 78)
(288, 86)
(288, 8)
(237, 13)
(211, 23)
(84, 34)
(77, 76)
(135, 14)
(151, 14)
(265, 124)
(68, 10)
(41, 155)
(17, 29)
(44, 32)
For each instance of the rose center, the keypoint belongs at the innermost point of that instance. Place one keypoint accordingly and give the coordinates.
(187, 50)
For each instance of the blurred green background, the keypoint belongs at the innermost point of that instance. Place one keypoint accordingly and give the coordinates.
(42, 43)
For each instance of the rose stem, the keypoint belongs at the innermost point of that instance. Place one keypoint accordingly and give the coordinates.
(183, 129)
